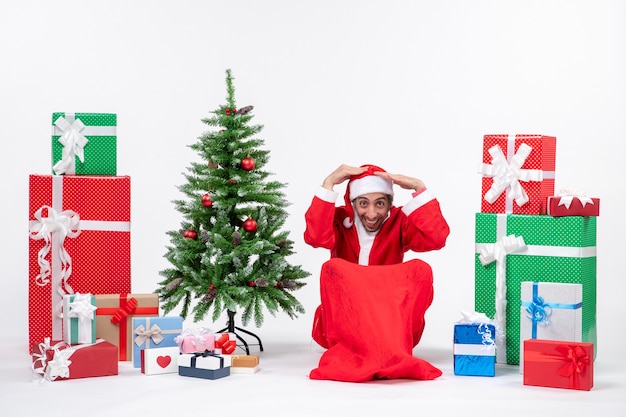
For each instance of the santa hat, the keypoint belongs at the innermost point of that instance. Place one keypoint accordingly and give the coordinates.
(364, 183)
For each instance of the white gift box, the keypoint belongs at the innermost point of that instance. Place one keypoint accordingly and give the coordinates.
(157, 361)
(79, 318)
(550, 311)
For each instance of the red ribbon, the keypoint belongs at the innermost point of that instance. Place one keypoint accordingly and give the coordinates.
(120, 316)
(124, 311)
(574, 357)
(228, 346)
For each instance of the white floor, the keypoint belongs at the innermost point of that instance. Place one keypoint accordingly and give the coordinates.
(282, 388)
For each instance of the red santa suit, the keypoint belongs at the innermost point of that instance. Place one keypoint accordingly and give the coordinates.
(418, 226)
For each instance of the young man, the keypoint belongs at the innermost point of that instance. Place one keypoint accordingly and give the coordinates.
(369, 230)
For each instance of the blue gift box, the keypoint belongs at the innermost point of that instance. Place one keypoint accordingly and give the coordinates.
(151, 332)
(474, 349)
(205, 365)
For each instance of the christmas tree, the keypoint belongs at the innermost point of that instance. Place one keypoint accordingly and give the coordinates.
(230, 253)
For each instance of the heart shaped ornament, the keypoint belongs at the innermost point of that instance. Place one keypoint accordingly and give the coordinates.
(155, 361)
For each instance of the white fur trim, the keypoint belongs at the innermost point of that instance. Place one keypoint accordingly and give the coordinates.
(347, 223)
(370, 184)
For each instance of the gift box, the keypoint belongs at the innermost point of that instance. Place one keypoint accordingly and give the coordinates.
(558, 364)
(151, 332)
(79, 318)
(194, 340)
(79, 228)
(114, 318)
(84, 143)
(243, 364)
(518, 173)
(205, 365)
(157, 361)
(573, 205)
(474, 349)
(514, 248)
(57, 360)
(550, 311)
(225, 343)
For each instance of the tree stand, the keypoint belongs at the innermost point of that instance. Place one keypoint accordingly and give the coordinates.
(230, 328)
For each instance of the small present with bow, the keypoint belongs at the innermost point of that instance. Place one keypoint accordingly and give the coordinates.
(572, 203)
(550, 311)
(558, 364)
(152, 332)
(474, 345)
(207, 365)
(58, 360)
(196, 339)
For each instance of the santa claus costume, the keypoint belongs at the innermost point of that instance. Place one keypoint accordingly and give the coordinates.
(417, 226)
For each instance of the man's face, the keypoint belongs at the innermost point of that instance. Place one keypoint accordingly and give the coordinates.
(372, 209)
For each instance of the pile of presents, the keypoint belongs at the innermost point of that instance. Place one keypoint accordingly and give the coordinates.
(82, 317)
(535, 270)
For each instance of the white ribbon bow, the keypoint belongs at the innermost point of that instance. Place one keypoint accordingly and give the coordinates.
(73, 142)
(64, 224)
(144, 334)
(567, 196)
(507, 175)
(81, 308)
(58, 366)
(482, 320)
(497, 252)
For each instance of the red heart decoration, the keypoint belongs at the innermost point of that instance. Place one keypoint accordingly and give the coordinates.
(163, 361)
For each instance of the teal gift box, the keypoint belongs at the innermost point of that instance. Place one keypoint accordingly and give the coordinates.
(151, 332)
(84, 143)
(512, 248)
(79, 318)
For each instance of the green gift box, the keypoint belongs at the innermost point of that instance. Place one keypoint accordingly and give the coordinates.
(512, 248)
(84, 143)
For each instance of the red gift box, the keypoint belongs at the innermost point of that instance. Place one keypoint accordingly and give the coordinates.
(57, 360)
(79, 242)
(518, 173)
(226, 343)
(558, 364)
(573, 205)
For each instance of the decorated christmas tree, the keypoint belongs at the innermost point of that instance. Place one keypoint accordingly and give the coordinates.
(231, 253)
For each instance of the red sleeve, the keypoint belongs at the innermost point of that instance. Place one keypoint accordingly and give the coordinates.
(425, 229)
(319, 219)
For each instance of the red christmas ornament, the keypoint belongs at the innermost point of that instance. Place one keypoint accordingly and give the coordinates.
(251, 283)
(249, 225)
(190, 234)
(211, 287)
(206, 201)
(227, 111)
(247, 163)
(232, 181)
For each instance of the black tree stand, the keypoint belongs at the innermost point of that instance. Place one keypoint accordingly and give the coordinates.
(230, 328)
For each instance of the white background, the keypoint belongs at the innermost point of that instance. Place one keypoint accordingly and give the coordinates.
(410, 86)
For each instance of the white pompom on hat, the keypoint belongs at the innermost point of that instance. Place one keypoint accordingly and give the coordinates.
(365, 183)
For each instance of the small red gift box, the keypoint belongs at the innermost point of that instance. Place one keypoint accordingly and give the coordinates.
(558, 364)
(79, 242)
(573, 205)
(57, 360)
(226, 343)
(518, 173)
